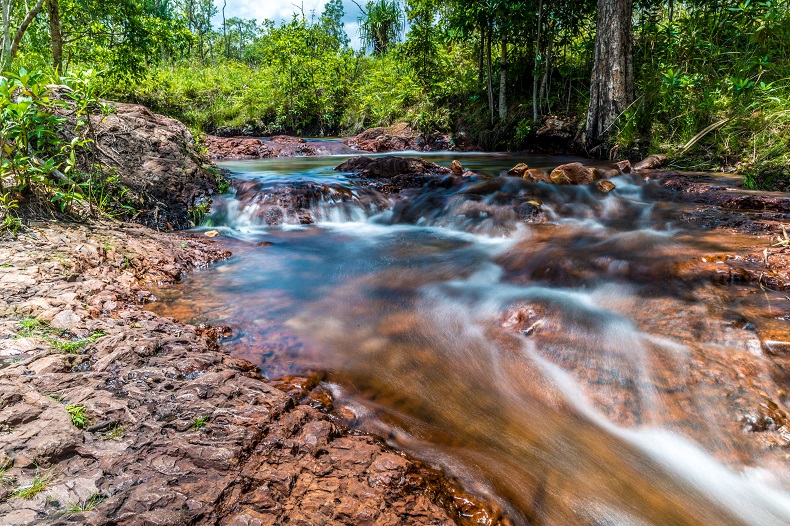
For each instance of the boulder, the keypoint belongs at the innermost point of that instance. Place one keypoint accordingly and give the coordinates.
(456, 167)
(605, 186)
(574, 173)
(399, 137)
(536, 175)
(156, 159)
(651, 162)
(391, 166)
(518, 170)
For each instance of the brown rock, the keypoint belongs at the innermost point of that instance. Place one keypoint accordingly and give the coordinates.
(518, 170)
(573, 173)
(456, 167)
(605, 186)
(624, 166)
(536, 175)
(651, 162)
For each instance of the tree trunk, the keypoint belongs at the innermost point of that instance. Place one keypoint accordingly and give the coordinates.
(480, 61)
(5, 53)
(20, 32)
(544, 83)
(490, 82)
(536, 69)
(503, 80)
(53, 9)
(611, 89)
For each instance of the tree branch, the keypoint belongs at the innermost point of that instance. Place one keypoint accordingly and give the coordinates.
(23, 27)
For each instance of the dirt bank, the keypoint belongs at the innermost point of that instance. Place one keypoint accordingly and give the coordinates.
(105, 404)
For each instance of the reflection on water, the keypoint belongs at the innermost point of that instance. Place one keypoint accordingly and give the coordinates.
(574, 369)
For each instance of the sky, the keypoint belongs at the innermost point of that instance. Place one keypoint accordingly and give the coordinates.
(279, 10)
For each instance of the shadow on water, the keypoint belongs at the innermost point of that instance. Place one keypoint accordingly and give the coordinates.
(574, 368)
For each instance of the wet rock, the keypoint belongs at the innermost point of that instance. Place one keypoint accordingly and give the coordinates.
(390, 166)
(651, 162)
(399, 137)
(605, 186)
(518, 170)
(624, 166)
(574, 174)
(456, 167)
(536, 175)
(220, 148)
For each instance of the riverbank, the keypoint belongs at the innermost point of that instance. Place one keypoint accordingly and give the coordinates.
(112, 414)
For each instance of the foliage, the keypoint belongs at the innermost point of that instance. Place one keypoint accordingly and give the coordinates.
(85, 506)
(199, 423)
(77, 414)
(38, 484)
(381, 25)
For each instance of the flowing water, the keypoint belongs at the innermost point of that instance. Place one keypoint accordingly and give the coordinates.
(571, 368)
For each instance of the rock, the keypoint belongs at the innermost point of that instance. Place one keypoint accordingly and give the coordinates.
(557, 132)
(605, 186)
(65, 320)
(390, 166)
(156, 158)
(651, 162)
(536, 175)
(236, 148)
(399, 137)
(573, 173)
(456, 167)
(624, 166)
(518, 170)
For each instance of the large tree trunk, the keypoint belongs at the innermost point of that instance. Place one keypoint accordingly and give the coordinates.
(611, 89)
(503, 80)
(53, 9)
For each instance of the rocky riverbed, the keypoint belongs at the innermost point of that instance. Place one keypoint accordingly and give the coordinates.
(113, 415)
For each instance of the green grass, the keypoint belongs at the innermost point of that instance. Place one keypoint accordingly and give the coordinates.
(85, 506)
(116, 431)
(74, 346)
(77, 414)
(28, 326)
(37, 485)
(199, 422)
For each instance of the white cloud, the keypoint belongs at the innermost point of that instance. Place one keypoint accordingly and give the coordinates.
(279, 10)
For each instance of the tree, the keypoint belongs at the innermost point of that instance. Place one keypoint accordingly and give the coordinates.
(612, 84)
(11, 44)
(332, 23)
(381, 25)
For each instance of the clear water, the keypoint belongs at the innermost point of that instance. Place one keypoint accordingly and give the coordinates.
(570, 368)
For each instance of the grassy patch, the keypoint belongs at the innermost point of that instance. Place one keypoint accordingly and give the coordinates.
(199, 423)
(87, 505)
(116, 431)
(74, 346)
(37, 485)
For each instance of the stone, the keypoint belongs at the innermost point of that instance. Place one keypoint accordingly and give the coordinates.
(456, 167)
(573, 174)
(605, 186)
(651, 162)
(518, 170)
(65, 320)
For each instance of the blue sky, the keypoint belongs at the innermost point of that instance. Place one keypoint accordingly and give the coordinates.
(279, 10)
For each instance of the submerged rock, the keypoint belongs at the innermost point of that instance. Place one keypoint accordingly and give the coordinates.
(605, 186)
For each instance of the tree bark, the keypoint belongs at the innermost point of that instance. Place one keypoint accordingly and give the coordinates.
(53, 9)
(490, 81)
(611, 89)
(5, 53)
(20, 32)
(536, 69)
(503, 80)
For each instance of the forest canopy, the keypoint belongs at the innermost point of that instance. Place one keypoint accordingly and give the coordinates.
(706, 82)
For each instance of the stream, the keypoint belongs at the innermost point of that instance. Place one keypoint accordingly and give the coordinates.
(569, 367)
